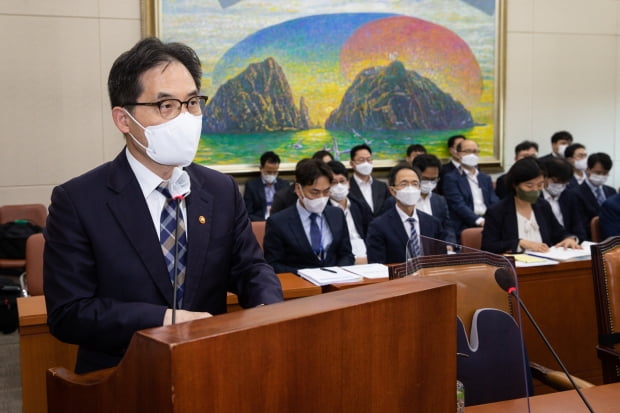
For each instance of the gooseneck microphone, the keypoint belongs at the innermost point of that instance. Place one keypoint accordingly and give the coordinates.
(178, 199)
(507, 283)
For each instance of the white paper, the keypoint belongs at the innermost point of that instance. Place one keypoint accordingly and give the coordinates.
(561, 254)
(328, 275)
(369, 270)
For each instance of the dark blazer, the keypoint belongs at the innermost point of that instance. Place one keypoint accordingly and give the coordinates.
(104, 273)
(387, 238)
(501, 231)
(360, 211)
(445, 169)
(609, 216)
(588, 205)
(500, 187)
(571, 214)
(460, 200)
(283, 199)
(379, 194)
(254, 197)
(287, 248)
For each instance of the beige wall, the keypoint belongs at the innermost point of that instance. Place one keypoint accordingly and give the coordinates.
(562, 73)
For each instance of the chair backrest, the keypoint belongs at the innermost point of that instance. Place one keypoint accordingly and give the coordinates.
(595, 229)
(34, 264)
(35, 213)
(606, 275)
(258, 228)
(472, 237)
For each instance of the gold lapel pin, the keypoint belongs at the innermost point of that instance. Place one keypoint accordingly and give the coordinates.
(202, 219)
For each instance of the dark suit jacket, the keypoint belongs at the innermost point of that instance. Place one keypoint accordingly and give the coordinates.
(501, 231)
(104, 271)
(287, 248)
(460, 200)
(379, 194)
(360, 211)
(500, 187)
(588, 205)
(445, 169)
(387, 238)
(609, 216)
(254, 197)
(283, 199)
(571, 214)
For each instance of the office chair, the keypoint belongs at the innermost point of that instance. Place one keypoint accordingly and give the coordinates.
(606, 276)
(258, 228)
(472, 237)
(35, 213)
(595, 229)
(32, 278)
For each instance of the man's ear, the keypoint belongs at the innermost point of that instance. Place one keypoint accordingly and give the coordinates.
(121, 119)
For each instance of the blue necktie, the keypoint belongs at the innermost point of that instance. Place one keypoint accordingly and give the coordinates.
(315, 236)
(168, 226)
(413, 244)
(600, 197)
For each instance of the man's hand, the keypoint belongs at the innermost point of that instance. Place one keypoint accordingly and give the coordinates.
(183, 315)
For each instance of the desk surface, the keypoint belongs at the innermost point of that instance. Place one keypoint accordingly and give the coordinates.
(293, 286)
(603, 399)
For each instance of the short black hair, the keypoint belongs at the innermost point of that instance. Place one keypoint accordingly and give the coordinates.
(357, 148)
(399, 167)
(525, 145)
(309, 170)
(415, 147)
(522, 171)
(426, 160)
(321, 154)
(124, 85)
(270, 157)
(602, 158)
(338, 168)
(557, 168)
(570, 149)
(558, 136)
(452, 139)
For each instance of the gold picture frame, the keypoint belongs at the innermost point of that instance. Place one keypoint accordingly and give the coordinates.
(219, 29)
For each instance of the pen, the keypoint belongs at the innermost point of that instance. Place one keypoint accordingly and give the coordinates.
(328, 270)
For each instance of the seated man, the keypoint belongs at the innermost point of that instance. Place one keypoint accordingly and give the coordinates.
(523, 149)
(453, 163)
(559, 142)
(414, 150)
(468, 191)
(558, 173)
(577, 157)
(259, 192)
(363, 186)
(609, 216)
(395, 235)
(593, 192)
(356, 212)
(310, 233)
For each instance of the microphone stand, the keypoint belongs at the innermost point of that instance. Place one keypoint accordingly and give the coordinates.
(176, 259)
(513, 292)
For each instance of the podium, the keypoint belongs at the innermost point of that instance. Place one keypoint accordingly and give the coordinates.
(384, 347)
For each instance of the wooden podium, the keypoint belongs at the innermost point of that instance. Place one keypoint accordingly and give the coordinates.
(386, 347)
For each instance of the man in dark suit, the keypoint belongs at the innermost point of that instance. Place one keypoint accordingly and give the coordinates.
(453, 163)
(609, 216)
(468, 191)
(593, 192)
(399, 228)
(363, 186)
(522, 150)
(356, 212)
(559, 142)
(110, 255)
(310, 233)
(260, 191)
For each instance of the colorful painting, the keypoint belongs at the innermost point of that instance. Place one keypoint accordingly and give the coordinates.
(301, 76)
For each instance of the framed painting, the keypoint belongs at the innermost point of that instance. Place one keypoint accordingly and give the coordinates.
(299, 77)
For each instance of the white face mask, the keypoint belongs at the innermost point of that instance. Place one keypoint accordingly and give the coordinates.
(174, 142)
(269, 178)
(598, 180)
(316, 205)
(365, 168)
(555, 189)
(470, 160)
(561, 150)
(339, 192)
(408, 196)
(426, 187)
(581, 164)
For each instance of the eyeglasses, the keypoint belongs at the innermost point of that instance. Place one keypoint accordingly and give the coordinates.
(405, 184)
(470, 151)
(171, 108)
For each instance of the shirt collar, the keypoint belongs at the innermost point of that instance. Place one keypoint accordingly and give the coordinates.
(147, 179)
(361, 182)
(404, 217)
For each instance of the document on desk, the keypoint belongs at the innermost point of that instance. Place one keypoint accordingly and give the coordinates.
(369, 270)
(328, 275)
(525, 260)
(561, 254)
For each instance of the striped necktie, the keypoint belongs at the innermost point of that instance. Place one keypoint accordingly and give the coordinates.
(168, 228)
(413, 244)
(600, 197)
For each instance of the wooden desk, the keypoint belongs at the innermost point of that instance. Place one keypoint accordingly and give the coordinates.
(561, 299)
(39, 351)
(603, 399)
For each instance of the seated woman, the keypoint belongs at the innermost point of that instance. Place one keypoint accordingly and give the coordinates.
(523, 220)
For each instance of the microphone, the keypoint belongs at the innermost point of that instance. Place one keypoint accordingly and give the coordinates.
(177, 210)
(506, 281)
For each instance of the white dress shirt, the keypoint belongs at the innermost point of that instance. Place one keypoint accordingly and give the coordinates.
(357, 242)
(555, 205)
(366, 189)
(326, 234)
